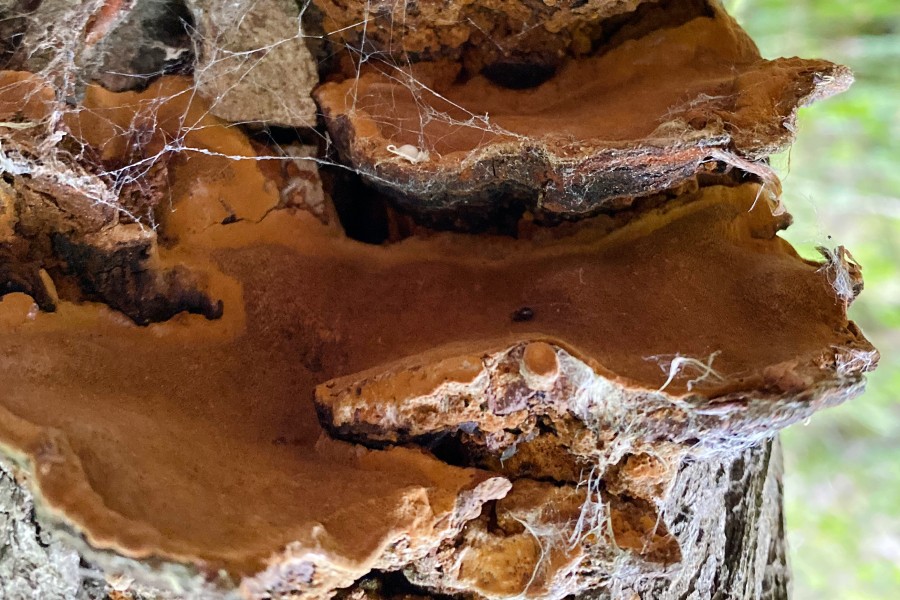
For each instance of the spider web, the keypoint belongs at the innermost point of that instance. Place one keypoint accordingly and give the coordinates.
(62, 46)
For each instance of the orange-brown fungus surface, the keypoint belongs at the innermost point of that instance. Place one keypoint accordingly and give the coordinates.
(632, 121)
(197, 441)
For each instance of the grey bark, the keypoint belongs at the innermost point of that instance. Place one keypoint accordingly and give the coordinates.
(33, 564)
(727, 514)
(40, 560)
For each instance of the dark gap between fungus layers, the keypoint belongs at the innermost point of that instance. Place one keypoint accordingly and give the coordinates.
(519, 41)
(197, 442)
(633, 121)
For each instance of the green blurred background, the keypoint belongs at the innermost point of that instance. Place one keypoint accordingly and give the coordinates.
(842, 178)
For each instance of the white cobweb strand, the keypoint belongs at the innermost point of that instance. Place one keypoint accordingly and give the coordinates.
(61, 48)
(679, 363)
(770, 189)
(593, 513)
(63, 174)
(842, 272)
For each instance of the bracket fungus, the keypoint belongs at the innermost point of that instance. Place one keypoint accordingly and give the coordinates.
(208, 389)
(639, 118)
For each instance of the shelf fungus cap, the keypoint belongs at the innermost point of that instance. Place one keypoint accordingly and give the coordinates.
(628, 121)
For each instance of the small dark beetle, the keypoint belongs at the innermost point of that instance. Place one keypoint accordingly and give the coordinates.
(522, 314)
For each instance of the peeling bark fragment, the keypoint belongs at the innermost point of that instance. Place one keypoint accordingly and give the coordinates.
(151, 41)
(254, 64)
(80, 224)
(641, 118)
(118, 265)
(53, 230)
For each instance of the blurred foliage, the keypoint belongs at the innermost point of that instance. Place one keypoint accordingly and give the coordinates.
(842, 184)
